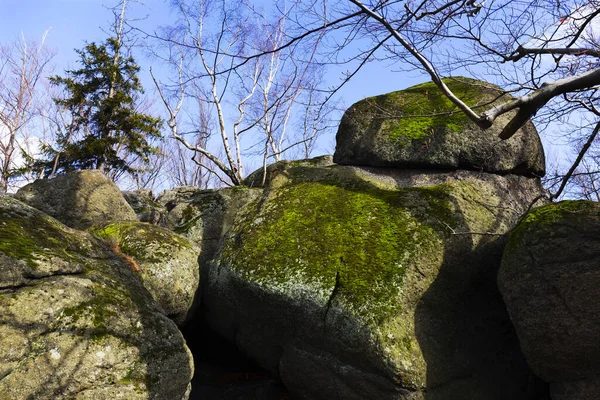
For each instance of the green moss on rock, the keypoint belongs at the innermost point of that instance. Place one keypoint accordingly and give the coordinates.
(136, 238)
(421, 111)
(549, 214)
(359, 242)
(166, 262)
(37, 239)
(75, 318)
(420, 127)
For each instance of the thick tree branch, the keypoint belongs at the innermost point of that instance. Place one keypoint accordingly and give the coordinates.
(435, 77)
(530, 103)
(522, 52)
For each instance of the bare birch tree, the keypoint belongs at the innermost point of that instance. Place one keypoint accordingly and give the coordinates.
(545, 53)
(22, 67)
(244, 111)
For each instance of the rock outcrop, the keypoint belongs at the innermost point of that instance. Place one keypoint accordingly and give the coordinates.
(374, 279)
(550, 281)
(204, 216)
(145, 206)
(420, 128)
(166, 262)
(360, 283)
(75, 321)
(78, 199)
(260, 177)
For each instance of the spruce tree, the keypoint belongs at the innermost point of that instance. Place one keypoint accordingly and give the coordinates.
(101, 100)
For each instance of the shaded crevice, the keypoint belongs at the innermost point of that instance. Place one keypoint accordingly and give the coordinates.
(453, 380)
(7, 374)
(223, 372)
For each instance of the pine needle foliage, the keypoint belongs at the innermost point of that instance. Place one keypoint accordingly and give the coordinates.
(105, 126)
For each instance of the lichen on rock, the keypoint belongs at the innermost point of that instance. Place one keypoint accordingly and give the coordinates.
(75, 322)
(166, 262)
(145, 205)
(549, 280)
(419, 127)
(78, 199)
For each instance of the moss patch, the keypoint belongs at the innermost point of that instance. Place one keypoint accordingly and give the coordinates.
(421, 111)
(549, 214)
(356, 243)
(136, 238)
(97, 317)
(34, 238)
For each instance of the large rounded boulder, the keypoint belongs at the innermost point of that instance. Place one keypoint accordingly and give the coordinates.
(361, 283)
(550, 281)
(419, 127)
(75, 321)
(78, 199)
(167, 263)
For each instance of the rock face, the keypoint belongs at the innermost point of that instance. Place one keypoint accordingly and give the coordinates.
(78, 199)
(145, 207)
(412, 129)
(75, 322)
(550, 281)
(259, 178)
(204, 216)
(167, 263)
(362, 283)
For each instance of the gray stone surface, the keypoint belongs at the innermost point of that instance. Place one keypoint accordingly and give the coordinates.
(78, 199)
(75, 322)
(374, 283)
(420, 128)
(145, 206)
(204, 216)
(166, 262)
(261, 177)
(550, 281)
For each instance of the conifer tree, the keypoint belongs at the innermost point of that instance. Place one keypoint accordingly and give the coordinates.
(101, 100)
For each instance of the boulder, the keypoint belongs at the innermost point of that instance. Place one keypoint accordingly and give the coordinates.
(362, 283)
(204, 216)
(550, 281)
(78, 199)
(75, 321)
(166, 262)
(420, 128)
(170, 198)
(260, 177)
(145, 206)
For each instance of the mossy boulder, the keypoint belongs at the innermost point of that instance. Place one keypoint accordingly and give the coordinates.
(75, 321)
(362, 283)
(262, 177)
(166, 262)
(550, 281)
(78, 199)
(145, 206)
(420, 128)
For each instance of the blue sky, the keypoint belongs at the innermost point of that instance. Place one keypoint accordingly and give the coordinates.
(72, 23)
(75, 22)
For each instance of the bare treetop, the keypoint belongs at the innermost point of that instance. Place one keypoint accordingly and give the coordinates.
(538, 49)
